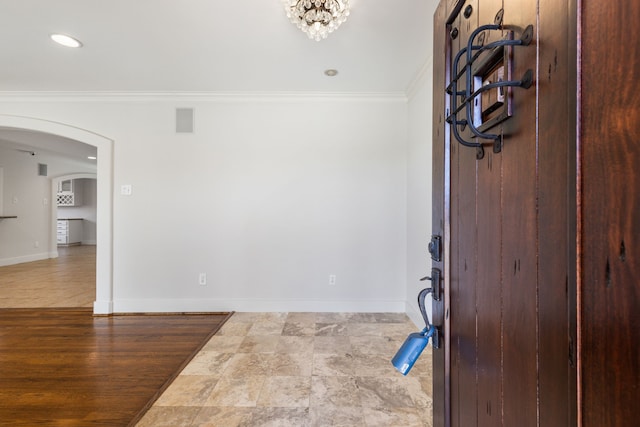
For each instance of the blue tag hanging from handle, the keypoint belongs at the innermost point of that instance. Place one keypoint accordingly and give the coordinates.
(416, 342)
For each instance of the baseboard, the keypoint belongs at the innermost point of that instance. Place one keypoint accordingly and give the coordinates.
(255, 305)
(27, 258)
(102, 307)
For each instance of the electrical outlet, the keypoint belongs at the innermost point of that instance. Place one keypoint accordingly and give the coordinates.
(126, 190)
(202, 279)
(36, 244)
(332, 279)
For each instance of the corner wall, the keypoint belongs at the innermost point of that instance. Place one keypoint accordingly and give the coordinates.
(419, 178)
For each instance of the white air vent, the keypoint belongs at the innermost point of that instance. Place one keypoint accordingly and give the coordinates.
(184, 120)
(42, 169)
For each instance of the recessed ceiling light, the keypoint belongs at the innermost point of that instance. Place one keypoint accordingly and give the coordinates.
(92, 157)
(65, 40)
(331, 72)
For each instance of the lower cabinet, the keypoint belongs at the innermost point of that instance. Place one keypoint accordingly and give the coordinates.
(69, 231)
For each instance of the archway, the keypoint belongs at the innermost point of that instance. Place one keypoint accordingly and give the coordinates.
(104, 210)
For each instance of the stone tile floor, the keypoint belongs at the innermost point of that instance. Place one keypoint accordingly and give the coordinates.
(300, 369)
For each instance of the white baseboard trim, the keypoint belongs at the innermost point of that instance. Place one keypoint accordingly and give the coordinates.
(89, 242)
(26, 258)
(102, 307)
(255, 305)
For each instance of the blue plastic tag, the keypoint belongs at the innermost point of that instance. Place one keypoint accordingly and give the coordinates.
(411, 350)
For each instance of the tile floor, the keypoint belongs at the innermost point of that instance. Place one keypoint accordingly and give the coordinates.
(300, 369)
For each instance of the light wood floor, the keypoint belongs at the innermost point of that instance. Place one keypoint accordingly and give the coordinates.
(66, 281)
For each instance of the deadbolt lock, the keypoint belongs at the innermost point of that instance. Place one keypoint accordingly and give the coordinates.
(435, 248)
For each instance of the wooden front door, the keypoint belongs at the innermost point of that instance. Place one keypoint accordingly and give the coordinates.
(507, 350)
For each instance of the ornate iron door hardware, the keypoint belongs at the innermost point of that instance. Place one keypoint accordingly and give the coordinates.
(486, 80)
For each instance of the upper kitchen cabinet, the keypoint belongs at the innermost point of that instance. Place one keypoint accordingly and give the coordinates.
(70, 192)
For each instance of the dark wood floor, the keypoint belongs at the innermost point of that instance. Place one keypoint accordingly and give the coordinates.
(65, 367)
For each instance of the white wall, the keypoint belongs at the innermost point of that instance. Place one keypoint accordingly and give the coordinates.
(419, 178)
(26, 195)
(268, 197)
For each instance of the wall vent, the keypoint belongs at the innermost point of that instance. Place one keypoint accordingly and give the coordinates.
(184, 120)
(42, 169)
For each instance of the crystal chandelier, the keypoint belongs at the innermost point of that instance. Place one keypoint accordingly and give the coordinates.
(317, 18)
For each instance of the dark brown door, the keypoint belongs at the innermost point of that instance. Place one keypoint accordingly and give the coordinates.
(609, 216)
(507, 351)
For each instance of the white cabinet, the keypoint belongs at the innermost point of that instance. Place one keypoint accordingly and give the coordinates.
(69, 231)
(65, 186)
(70, 192)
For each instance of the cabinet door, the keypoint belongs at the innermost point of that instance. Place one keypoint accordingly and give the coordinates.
(75, 231)
(65, 186)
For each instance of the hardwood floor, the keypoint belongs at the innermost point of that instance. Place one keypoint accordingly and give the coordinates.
(61, 366)
(66, 367)
(66, 281)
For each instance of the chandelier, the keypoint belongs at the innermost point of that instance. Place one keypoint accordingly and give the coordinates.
(317, 18)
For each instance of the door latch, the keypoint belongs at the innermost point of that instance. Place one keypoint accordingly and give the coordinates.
(435, 282)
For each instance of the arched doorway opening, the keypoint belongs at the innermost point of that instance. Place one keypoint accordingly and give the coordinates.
(104, 210)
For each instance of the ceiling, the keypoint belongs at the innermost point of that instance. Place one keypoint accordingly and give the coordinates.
(38, 144)
(203, 46)
(235, 46)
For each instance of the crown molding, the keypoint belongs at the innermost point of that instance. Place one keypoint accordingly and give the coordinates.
(111, 96)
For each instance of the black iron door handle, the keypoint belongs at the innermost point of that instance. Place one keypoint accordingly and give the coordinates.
(435, 278)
